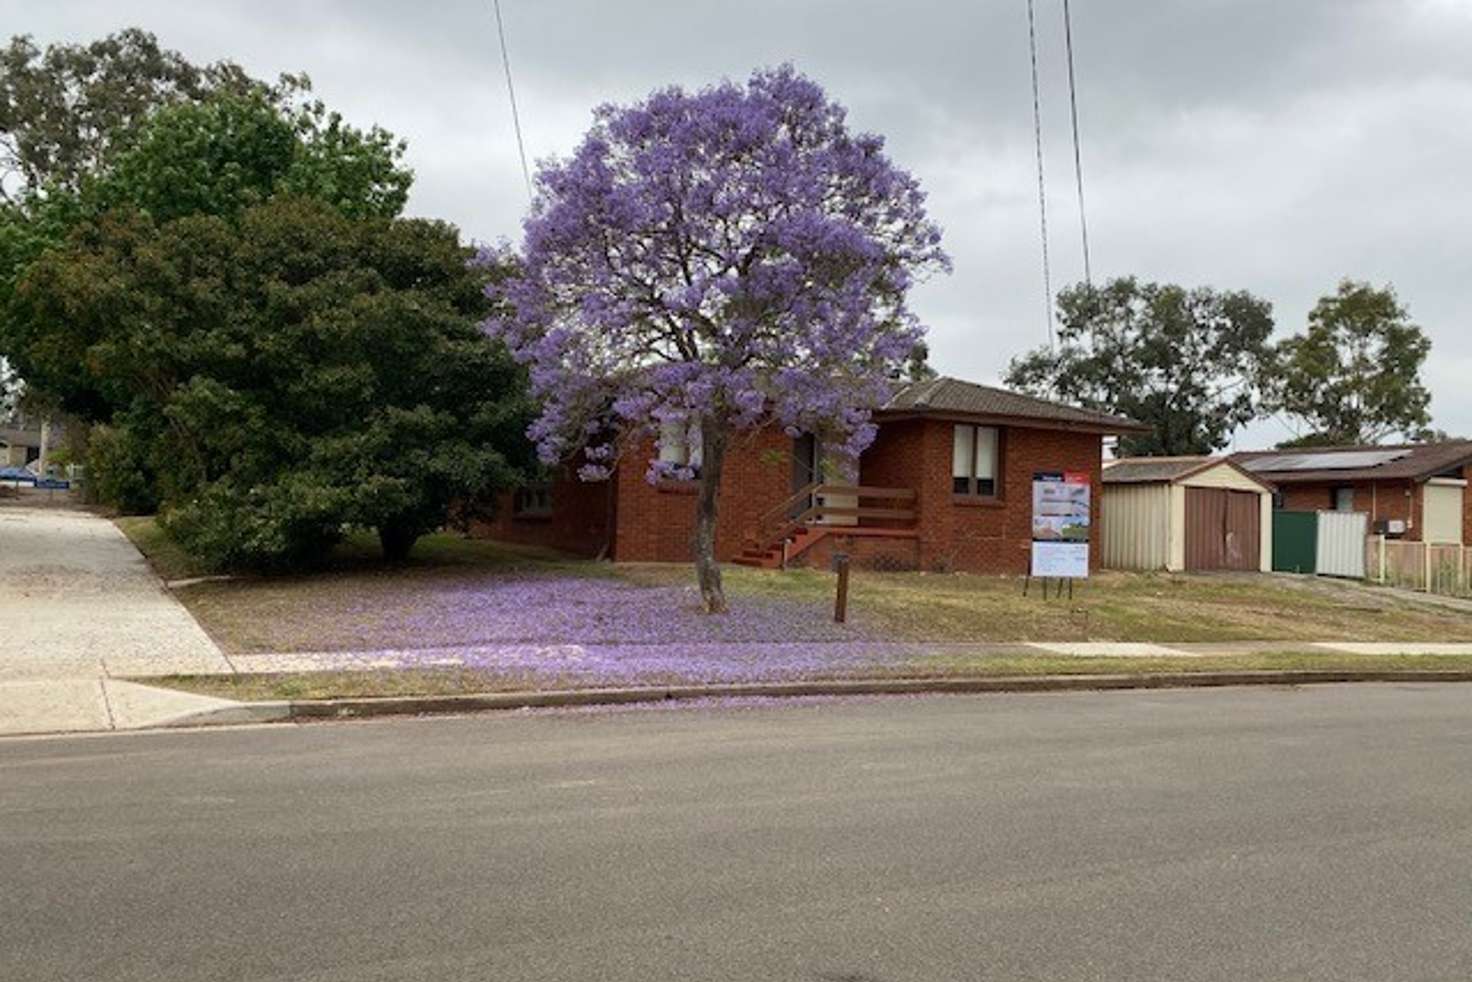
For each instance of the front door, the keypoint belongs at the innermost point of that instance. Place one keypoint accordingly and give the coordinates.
(807, 468)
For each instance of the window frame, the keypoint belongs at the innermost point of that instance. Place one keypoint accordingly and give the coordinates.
(672, 447)
(973, 490)
(539, 505)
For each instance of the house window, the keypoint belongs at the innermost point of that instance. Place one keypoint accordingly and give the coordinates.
(1344, 499)
(974, 460)
(679, 445)
(532, 500)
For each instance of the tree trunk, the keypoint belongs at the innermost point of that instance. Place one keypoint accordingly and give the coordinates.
(396, 540)
(712, 458)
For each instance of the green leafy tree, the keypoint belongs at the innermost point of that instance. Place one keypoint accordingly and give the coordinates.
(68, 112)
(1189, 363)
(217, 157)
(289, 373)
(229, 152)
(64, 110)
(1354, 376)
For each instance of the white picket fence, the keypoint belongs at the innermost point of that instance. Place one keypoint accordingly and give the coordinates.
(1431, 568)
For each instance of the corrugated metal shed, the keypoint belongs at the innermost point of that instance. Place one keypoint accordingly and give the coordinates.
(1134, 528)
(1144, 515)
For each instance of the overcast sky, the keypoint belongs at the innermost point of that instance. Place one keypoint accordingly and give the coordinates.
(1268, 145)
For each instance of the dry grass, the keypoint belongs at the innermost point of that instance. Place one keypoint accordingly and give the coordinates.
(449, 595)
(441, 682)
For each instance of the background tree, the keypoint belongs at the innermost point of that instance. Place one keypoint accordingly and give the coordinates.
(713, 262)
(288, 373)
(1355, 375)
(64, 110)
(1188, 363)
(217, 158)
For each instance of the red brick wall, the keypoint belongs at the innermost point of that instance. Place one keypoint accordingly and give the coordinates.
(1467, 506)
(656, 523)
(962, 533)
(578, 523)
(1381, 500)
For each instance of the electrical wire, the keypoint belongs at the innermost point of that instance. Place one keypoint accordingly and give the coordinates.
(1037, 132)
(1078, 167)
(511, 93)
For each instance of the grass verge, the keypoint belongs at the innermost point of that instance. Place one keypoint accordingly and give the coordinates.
(444, 682)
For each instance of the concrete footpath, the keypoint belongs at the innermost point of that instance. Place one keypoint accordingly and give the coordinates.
(79, 610)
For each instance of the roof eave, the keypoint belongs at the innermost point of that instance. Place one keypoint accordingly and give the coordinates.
(1030, 422)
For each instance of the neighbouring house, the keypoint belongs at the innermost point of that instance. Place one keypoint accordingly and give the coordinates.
(22, 442)
(1416, 492)
(1185, 513)
(946, 485)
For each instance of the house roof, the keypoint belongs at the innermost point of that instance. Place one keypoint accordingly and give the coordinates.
(1150, 470)
(945, 396)
(1406, 462)
(17, 436)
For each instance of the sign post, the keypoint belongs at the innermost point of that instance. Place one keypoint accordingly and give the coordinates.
(1061, 518)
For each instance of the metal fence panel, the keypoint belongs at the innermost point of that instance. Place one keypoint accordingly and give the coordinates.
(1295, 541)
(1341, 546)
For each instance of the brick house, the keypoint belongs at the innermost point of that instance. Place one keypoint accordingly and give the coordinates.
(947, 484)
(1416, 492)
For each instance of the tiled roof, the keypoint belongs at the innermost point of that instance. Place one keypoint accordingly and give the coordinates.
(1416, 462)
(952, 396)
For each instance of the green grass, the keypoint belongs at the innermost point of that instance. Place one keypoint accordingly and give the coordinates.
(442, 682)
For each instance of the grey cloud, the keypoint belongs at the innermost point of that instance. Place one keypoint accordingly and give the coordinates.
(1250, 144)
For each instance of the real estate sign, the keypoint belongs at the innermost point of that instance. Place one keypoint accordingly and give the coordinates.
(1060, 523)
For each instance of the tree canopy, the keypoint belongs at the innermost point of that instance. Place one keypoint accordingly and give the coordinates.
(65, 109)
(1354, 376)
(285, 375)
(713, 261)
(216, 157)
(271, 356)
(1187, 362)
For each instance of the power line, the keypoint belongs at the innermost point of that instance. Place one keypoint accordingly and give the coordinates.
(511, 93)
(1037, 132)
(1078, 167)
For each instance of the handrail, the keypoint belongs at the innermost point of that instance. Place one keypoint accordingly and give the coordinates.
(777, 524)
(780, 511)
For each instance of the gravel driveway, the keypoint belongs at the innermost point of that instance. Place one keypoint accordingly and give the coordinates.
(78, 601)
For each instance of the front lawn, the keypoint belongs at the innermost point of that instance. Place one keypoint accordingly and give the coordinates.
(458, 592)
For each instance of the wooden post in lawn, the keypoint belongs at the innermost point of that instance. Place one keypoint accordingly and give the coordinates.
(840, 602)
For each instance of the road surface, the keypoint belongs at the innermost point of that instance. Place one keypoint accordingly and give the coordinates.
(1321, 833)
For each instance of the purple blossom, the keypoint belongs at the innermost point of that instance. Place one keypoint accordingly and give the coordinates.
(733, 255)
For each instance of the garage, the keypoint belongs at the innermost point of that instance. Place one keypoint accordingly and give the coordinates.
(1185, 514)
(1223, 529)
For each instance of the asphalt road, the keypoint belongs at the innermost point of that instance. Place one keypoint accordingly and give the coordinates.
(1322, 833)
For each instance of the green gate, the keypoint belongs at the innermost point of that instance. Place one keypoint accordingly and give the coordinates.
(1295, 541)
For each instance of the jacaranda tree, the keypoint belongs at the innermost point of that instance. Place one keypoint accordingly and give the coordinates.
(711, 262)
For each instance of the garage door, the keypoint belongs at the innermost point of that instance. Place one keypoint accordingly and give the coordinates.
(1222, 529)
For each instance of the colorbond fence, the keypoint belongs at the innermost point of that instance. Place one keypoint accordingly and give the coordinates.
(1444, 569)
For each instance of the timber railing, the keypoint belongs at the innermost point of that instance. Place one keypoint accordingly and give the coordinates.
(871, 507)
